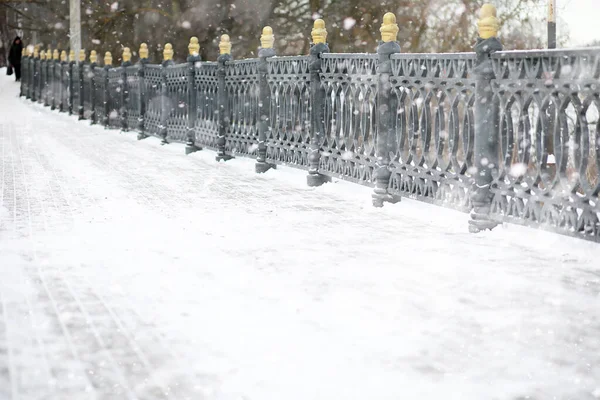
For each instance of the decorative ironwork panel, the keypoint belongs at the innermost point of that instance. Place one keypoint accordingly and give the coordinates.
(99, 92)
(432, 149)
(241, 84)
(153, 80)
(207, 124)
(348, 149)
(289, 129)
(76, 82)
(133, 103)
(43, 92)
(88, 76)
(177, 102)
(549, 140)
(115, 101)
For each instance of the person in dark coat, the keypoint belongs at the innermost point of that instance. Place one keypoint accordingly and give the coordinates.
(14, 57)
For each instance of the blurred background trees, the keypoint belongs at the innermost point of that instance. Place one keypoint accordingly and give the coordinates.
(353, 25)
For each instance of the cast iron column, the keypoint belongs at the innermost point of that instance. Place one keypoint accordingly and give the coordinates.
(222, 100)
(193, 58)
(264, 98)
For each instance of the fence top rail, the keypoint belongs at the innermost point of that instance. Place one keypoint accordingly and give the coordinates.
(201, 64)
(287, 58)
(583, 51)
(434, 56)
(358, 56)
(244, 61)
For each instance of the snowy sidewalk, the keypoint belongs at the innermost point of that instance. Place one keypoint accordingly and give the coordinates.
(131, 271)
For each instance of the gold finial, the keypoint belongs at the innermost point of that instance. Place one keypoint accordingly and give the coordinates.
(63, 56)
(108, 59)
(56, 55)
(488, 24)
(81, 55)
(36, 51)
(389, 28)
(42, 55)
(126, 54)
(24, 52)
(71, 55)
(194, 46)
(225, 45)
(93, 57)
(319, 33)
(143, 51)
(48, 54)
(168, 52)
(267, 38)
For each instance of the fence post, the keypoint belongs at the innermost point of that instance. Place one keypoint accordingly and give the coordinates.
(63, 81)
(386, 106)
(142, 82)
(107, 66)
(266, 50)
(93, 63)
(27, 75)
(80, 109)
(48, 80)
(71, 83)
(193, 58)
(317, 111)
(222, 101)
(164, 107)
(54, 87)
(23, 70)
(486, 121)
(42, 77)
(125, 89)
(34, 73)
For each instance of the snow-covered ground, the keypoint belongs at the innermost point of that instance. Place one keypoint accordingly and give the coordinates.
(131, 271)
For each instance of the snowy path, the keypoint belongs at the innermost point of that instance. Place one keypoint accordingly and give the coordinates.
(131, 271)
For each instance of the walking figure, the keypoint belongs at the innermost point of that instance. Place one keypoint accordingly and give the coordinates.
(14, 57)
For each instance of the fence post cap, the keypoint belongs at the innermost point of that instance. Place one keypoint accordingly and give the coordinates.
(108, 59)
(389, 28)
(225, 45)
(93, 56)
(194, 47)
(267, 38)
(126, 54)
(143, 51)
(36, 51)
(488, 25)
(71, 55)
(48, 54)
(56, 55)
(168, 52)
(81, 55)
(319, 32)
(63, 55)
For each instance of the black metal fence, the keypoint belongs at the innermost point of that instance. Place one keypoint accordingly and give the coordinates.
(513, 136)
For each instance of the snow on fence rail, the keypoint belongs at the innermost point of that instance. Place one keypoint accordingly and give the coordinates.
(510, 136)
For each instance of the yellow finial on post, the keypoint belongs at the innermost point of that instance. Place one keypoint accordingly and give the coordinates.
(48, 54)
(225, 45)
(42, 55)
(143, 51)
(93, 57)
(488, 25)
(63, 56)
(71, 55)
(389, 28)
(24, 52)
(81, 55)
(36, 51)
(56, 55)
(267, 38)
(126, 54)
(108, 59)
(194, 47)
(319, 32)
(168, 52)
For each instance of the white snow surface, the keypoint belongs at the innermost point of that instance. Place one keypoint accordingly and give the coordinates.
(131, 271)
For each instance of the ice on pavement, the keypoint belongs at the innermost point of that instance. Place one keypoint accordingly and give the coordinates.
(131, 271)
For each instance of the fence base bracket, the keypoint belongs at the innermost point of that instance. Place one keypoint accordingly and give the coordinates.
(379, 199)
(315, 180)
(141, 136)
(480, 225)
(262, 167)
(223, 157)
(189, 149)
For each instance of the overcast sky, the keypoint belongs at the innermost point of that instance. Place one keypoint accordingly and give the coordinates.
(582, 19)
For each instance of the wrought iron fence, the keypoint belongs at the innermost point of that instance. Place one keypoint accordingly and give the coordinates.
(511, 136)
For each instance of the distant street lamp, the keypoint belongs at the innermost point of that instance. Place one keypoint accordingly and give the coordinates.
(551, 24)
